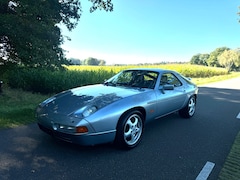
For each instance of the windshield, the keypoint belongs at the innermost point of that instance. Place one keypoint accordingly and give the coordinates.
(134, 78)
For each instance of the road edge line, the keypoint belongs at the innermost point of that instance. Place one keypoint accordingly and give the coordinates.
(206, 170)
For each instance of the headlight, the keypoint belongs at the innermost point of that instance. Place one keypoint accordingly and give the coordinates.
(89, 110)
(84, 112)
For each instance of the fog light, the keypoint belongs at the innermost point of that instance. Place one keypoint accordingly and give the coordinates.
(81, 129)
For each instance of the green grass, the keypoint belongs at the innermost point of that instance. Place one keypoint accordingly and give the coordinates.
(231, 168)
(18, 107)
(200, 81)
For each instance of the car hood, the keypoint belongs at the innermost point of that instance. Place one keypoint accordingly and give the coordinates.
(94, 95)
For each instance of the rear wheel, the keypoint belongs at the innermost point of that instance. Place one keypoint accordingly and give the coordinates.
(189, 110)
(130, 130)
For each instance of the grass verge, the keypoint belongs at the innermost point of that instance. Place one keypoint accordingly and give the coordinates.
(18, 107)
(231, 168)
(201, 81)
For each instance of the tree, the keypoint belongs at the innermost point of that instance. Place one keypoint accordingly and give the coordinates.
(102, 63)
(213, 58)
(74, 61)
(29, 33)
(91, 61)
(229, 58)
(94, 62)
(237, 61)
(195, 59)
(101, 4)
(203, 59)
(199, 59)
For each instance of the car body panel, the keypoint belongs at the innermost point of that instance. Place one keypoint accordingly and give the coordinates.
(62, 113)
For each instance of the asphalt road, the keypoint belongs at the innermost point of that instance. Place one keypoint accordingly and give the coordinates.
(172, 148)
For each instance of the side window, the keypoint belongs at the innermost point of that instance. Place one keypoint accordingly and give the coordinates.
(169, 78)
(150, 79)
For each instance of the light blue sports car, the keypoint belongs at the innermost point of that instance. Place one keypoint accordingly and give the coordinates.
(117, 110)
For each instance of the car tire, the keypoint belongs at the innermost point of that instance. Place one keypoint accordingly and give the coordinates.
(129, 130)
(189, 110)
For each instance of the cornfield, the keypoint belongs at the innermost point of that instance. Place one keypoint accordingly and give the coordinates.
(47, 82)
(188, 70)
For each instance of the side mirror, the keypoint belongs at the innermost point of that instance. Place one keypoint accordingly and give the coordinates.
(166, 87)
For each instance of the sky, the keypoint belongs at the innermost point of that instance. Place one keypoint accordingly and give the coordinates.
(153, 31)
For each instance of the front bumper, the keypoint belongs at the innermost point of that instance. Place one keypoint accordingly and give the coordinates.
(81, 139)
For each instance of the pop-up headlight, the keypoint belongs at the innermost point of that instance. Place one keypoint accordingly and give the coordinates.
(89, 110)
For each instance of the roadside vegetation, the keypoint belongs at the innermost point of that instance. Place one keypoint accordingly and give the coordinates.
(231, 168)
(24, 89)
(220, 57)
(48, 82)
(186, 69)
(17, 107)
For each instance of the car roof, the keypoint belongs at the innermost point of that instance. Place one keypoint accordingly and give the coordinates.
(151, 69)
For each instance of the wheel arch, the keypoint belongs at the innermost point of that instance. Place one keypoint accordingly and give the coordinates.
(120, 141)
(139, 108)
(184, 112)
(195, 95)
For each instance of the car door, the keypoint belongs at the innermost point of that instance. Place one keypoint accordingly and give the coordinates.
(170, 95)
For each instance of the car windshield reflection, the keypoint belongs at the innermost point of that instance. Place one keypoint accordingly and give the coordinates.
(134, 78)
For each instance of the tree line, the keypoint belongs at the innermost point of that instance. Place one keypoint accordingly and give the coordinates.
(220, 57)
(89, 61)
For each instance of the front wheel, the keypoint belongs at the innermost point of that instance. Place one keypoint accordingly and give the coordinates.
(189, 110)
(130, 130)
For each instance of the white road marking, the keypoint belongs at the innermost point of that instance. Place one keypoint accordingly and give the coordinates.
(238, 116)
(206, 170)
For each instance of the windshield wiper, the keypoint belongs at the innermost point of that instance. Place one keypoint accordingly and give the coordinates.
(109, 84)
